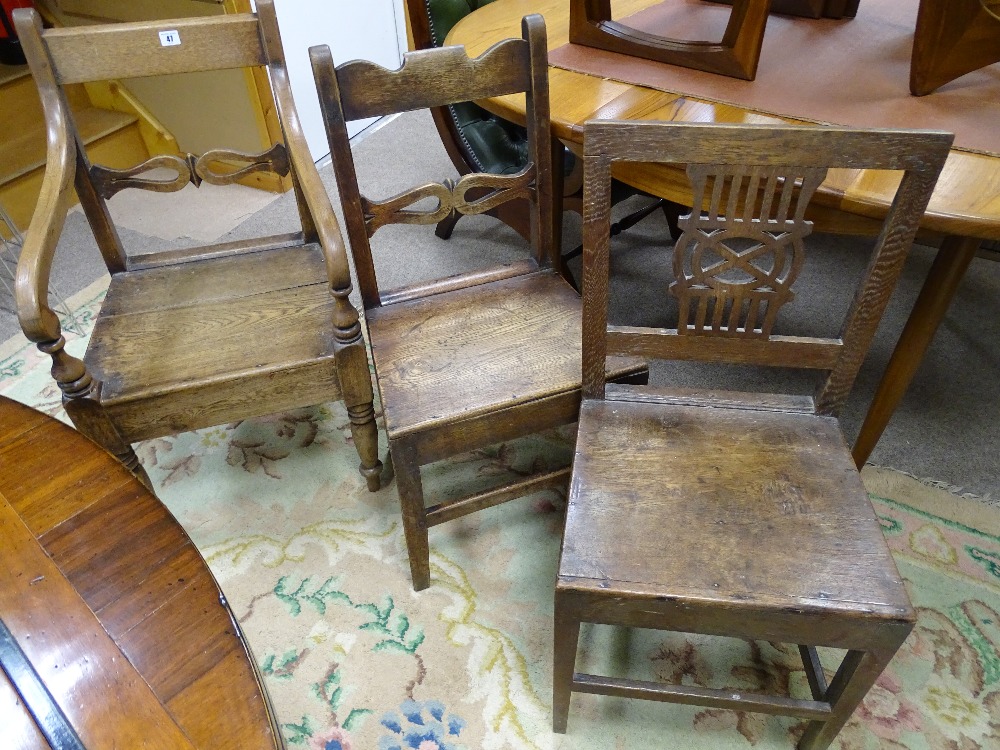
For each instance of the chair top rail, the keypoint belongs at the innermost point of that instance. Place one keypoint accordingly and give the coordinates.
(135, 50)
(798, 145)
(432, 78)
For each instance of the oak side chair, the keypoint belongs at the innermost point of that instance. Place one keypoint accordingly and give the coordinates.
(191, 338)
(724, 513)
(475, 359)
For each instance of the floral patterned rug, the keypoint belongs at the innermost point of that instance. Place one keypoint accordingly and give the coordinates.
(315, 568)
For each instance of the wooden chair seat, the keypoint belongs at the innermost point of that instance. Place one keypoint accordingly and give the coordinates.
(252, 316)
(533, 320)
(717, 507)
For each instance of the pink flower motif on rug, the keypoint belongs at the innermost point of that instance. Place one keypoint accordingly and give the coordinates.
(887, 712)
(334, 738)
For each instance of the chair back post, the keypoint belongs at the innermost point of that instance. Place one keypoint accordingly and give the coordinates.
(759, 177)
(891, 250)
(335, 122)
(291, 128)
(596, 241)
(537, 113)
(319, 222)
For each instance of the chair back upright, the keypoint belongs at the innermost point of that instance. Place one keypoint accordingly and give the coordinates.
(429, 79)
(743, 245)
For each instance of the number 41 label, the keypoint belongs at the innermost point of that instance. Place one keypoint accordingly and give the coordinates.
(169, 38)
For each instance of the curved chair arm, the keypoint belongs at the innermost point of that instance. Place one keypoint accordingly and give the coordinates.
(38, 321)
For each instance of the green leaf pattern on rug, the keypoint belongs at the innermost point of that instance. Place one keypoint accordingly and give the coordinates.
(386, 621)
(989, 560)
(11, 367)
(976, 621)
(281, 667)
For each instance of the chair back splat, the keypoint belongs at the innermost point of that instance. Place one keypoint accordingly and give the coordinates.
(771, 535)
(207, 335)
(469, 360)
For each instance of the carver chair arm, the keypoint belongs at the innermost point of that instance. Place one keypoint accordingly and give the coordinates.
(324, 225)
(38, 321)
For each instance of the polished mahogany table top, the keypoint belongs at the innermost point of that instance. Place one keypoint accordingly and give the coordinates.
(112, 610)
(964, 209)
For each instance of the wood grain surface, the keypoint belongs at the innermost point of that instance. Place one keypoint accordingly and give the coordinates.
(113, 605)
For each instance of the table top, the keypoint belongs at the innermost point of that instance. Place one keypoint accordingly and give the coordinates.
(111, 607)
(966, 201)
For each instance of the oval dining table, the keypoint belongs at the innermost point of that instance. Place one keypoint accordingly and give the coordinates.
(964, 210)
(113, 632)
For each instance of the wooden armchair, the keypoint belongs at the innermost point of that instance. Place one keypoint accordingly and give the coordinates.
(193, 338)
(470, 360)
(735, 514)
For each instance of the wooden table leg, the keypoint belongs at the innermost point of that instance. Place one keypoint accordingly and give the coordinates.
(942, 281)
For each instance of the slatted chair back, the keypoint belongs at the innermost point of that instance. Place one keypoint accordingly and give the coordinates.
(743, 244)
(428, 79)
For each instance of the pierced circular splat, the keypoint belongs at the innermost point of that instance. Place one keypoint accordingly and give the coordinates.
(737, 259)
(731, 258)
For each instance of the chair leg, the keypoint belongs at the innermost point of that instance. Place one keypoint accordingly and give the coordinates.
(90, 419)
(566, 634)
(359, 397)
(79, 397)
(856, 676)
(672, 213)
(364, 431)
(411, 502)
